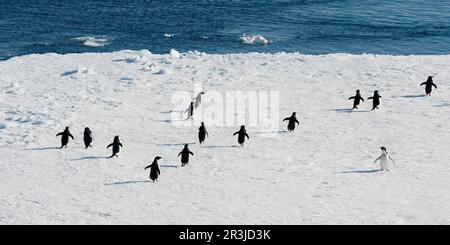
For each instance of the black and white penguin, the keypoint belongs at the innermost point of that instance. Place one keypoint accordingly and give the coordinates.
(429, 85)
(202, 133)
(198, 99)
(190, 110)
(115, 146)
(65, 137)
(356, 99)
(87, 137)
(185, 155)
(376, 100)
(242, 133)
(154, 169)
(384, 164)
(292, 120)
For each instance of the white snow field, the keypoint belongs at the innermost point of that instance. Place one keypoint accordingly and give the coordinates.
(323, 173)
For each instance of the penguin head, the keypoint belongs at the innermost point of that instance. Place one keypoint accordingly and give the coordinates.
(430, 78)
(293, 113)
(243, 127)
(116, 138)
(67, 129)
(186, 146)
(203, 124)
(357, 91)
(383, 149)
(375, 92)
(86, 129)
(157, 158)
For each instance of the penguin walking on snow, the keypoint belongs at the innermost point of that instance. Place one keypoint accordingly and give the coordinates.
(190, 110)
(376, 100)
(384, 157)
(429, 85)
(65, 137)
(198, 99)
(242, 133)
(154, 169)
(87, 137)
(292, 120)
(115, 146)
(356, 99)
(202, 133)
(185, 155)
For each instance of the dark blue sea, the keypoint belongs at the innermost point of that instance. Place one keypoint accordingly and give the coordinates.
(216, 26)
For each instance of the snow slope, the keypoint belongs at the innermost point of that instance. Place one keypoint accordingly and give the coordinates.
(320, 174)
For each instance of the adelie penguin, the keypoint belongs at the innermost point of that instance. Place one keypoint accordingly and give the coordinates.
(383, 158)
(356, 99)
(198, 99)
(202, 133)
(65, 137)
(376, 100)
(115, 146)
(429, 85)
(292, 121)
(242, 133)
(190, 111)
(154, 169)
(185, 155)
(87, 137)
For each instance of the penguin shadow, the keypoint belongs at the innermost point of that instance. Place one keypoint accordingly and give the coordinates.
(442, 105)
(219, 146)
(369, 171)
(88, 158)
(43, 148)
(168, 121)
(168, 166)
(413, 96)
(168, 112)
(68, 73)
(129, 182)
(272, 132)
(348, 110)
(176, 144)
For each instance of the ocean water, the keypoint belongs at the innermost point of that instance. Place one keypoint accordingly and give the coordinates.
(217, 26)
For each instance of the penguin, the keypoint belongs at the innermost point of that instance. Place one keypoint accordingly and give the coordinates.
(116, 146)
(190, 110)
(242, 133)
(292, 120)
(202, 133)
(87, 137)
(356, 99)
(65, 137)
(376, 100)
(429, 85)
(384, 159)
(154, 169)
(185, 155)
(198, 99)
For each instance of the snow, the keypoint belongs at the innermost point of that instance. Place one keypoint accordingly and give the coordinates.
(323, 173)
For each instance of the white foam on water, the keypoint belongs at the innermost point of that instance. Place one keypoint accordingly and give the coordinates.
(254, 39)
(91, 41)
